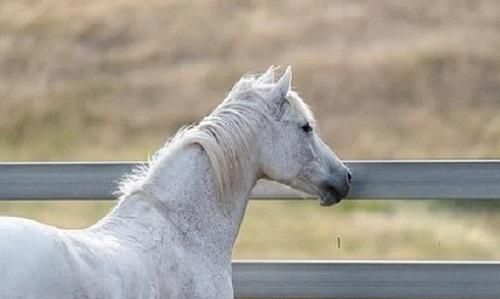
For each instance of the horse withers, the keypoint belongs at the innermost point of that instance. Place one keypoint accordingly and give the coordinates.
(172, 232)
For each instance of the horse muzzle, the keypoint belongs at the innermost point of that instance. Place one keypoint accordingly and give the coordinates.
(333, 192)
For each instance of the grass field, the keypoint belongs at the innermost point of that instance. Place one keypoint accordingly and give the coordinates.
(111, 80)
(351, 230)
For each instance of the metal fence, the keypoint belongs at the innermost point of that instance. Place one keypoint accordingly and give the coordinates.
(466, 180)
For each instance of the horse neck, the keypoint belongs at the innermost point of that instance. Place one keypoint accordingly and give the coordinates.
(182, 189)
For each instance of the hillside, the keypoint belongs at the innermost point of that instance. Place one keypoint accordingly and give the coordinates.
(112, 79)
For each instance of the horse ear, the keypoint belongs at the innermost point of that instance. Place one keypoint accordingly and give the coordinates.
(268, 76)
(284, 84)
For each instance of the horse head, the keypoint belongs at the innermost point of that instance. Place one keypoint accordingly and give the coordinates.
(290, 149)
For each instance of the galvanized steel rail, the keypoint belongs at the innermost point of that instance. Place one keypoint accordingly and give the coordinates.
(468, 180)
(477, 179)
(367, 279)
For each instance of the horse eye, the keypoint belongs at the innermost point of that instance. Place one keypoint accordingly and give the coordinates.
(307, 128)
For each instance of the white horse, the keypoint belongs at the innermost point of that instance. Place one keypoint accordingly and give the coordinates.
(172, 233)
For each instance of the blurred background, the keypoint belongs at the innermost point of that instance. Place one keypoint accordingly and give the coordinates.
(112, 80)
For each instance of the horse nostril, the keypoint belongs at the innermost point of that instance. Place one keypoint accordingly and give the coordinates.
(349, 177)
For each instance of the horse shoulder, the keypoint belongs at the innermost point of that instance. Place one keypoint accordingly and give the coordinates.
(108, 267)
(196, 276)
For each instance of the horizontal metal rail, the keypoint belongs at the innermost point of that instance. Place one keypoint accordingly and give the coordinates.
(477, 179)
(370, 279)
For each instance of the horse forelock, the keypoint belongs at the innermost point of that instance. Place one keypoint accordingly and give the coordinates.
(225, 135)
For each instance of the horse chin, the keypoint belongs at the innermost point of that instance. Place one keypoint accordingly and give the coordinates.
(328, 195)
(329, 198)
(327, 203)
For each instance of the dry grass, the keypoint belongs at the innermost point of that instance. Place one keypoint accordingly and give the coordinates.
(110, 80)
(303, 230)
(394, 230)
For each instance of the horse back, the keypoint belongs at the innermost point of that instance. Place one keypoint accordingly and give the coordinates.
(33, 261)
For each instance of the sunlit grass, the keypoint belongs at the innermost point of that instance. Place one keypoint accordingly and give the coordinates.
(64, 214)
(304, 230)
(366, 230)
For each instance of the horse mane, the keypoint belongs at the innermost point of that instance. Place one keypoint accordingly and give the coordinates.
(224, 135)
